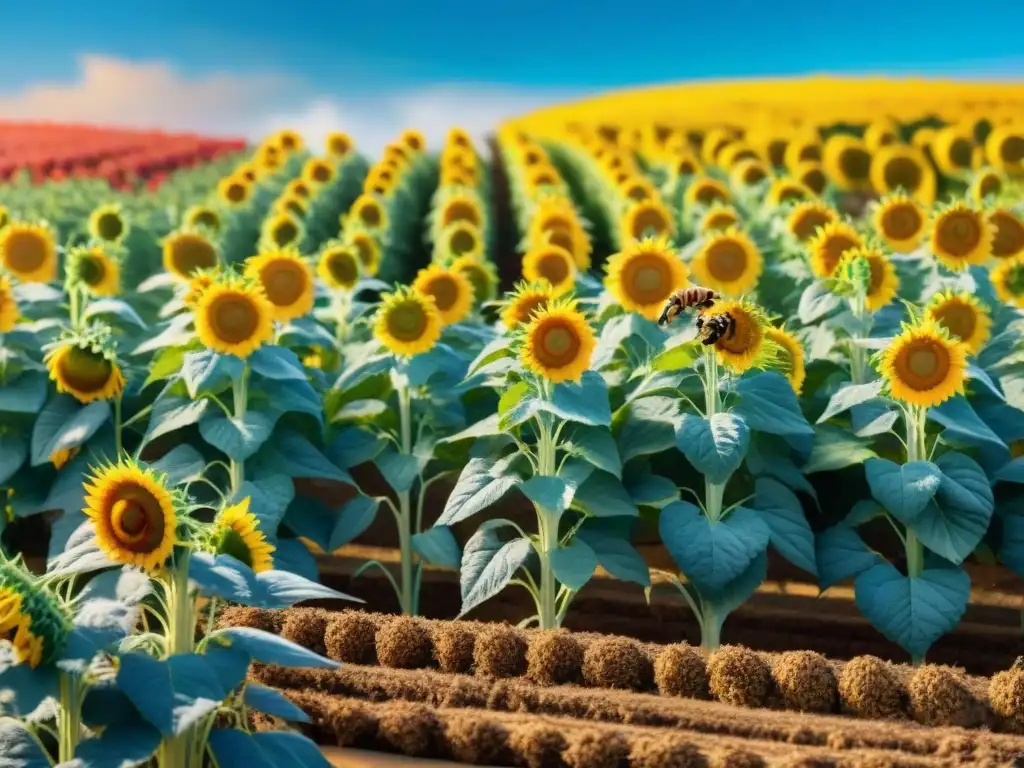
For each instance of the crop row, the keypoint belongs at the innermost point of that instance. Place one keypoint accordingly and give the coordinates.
(798, 680)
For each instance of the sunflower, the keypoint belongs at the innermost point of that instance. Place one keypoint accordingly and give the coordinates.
(481, 274)
(318, 171)
(792, 356)
(339, 266)
(201, 280)
(463, 240)
(84, 370)
(1009, 233)
(247, 172)
(287, 282)
(644, 274)
(31, 619)
(900, 221)
(740, 350)
(108, 223)
(714, 142)
(1004, 149)
(288, 141)
(268, 159)
(291, 205)
(828, 245)
(1008, 280)
(236, 532)
(461, 209)
(881, 133)
(186, 251)
(369, 212)
(282, 229)
(897, 166)
(961, 236)
(805, 219)
(649, 218)
(413, 139)
(338, 145)
(986, 183)
(8, 306)
(407, 322)
(883, 282)
(95, 269)
(203, 216)
(133, 513)
(847, 161)
(923, 366)
(787, 190)
(521, 303)
(542, 176)
(552, 263)
(557, 342)
(731, 155)
(298, 188)
(29, 252)
(748, 172)
(953, 150)
(800, 149)
(811, 174)
(728, 262)
(685, 164)
(5, 216)
(718, 218)
(556, 221)
(704, 190)
(234, 191)
(234, 317)
(367, 249)
(963, 317)
(452, 292)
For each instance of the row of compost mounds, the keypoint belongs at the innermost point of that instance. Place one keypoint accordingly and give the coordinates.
(490, 694)
(440, 655)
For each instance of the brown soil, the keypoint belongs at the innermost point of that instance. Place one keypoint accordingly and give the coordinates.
(714, 735)
(865, 687)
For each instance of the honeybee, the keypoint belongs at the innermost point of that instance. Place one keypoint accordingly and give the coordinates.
(685, 298)
(712, 328)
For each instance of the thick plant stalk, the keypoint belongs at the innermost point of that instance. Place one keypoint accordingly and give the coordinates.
(916, 451)
(858, 354)
(174, 751)
(407, 597)
(69, 720)
(714, 493)
(547, 528)
(240, 390)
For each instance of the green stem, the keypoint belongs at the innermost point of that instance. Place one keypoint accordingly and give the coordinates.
(714, 495)
(74, 305)
(712, 402)
(174, 751)
(341, 309)
(711, 629)
(915, 452)
(858, 354)
(240, 391)
(405, 504)
(118, 426)
(547, 527)
(69, 722)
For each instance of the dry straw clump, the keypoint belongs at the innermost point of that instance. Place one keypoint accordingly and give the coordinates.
(554, 658)
(597, 749)
(668, 751)
(871, 688)
(617, 662)
(538, 746)
(806, 681)
(1006, 695)
(739, 676)
(680, 670)
(306, 627)
(454, 644)
(500, 652)
(939, 696)
(477, 741)
(404, 643)
(410, 729)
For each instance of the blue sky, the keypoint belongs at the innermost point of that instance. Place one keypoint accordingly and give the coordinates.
(340, 58)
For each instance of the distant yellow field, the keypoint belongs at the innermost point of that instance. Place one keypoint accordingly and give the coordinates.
(815, 100)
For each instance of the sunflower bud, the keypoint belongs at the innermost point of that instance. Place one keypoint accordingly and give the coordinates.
(31, 618)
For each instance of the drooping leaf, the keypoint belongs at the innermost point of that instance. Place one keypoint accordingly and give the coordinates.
(835, 448)
(481, 484)
(849, 396)
(652, 491)
(597, 445)
(768, 404)
(583, 403)
(172, 694)
(239, 437)
(271, 702)
(609, 538)
(488, 564)
(269, 648)
(207, 371)
(905, 490)
(790, 533)
(574, 564)
(716, 446)
(438, 547)
(65, 424)
(355, 516)
(954, 523)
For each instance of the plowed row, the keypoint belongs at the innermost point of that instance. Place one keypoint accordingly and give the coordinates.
(559, 666)
(519, 739)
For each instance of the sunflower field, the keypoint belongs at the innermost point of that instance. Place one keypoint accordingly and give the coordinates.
(212, 382)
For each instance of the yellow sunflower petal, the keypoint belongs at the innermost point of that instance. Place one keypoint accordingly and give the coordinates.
(644, 274)
(923, 366)
(408, 322)
(287, 282)
(558, 342)
(728, 262)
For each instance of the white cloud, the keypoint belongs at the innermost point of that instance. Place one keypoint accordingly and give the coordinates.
(154, 95)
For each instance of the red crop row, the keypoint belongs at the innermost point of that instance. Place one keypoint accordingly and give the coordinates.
(123, 157)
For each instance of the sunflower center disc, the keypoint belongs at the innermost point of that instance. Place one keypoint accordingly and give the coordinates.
(526, 308)
(85, 370)
(462, 242)
(285, 233)
(923, 362)
(366, 255)
(960, 235)
(129, 520)
(370, 214)
(284, 284)
(856, 163)
(110, 226)
(1009, 239)
(193, 253)
(649, 223)
(91, 270)
(236, 192)
(834, 249)
(554, 269)
(727, 262)
(26, 251)
(902, 172)
(407, 322)
(445, 293)
(805, 226)
(234, 319)
(558, 342)
(460, 211)
(1012, 150)
(562, 238)
(901, 222)
(960, 153)
(343, 268)
(958, 319)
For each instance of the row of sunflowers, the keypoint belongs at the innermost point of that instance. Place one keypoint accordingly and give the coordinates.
(192, 380)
